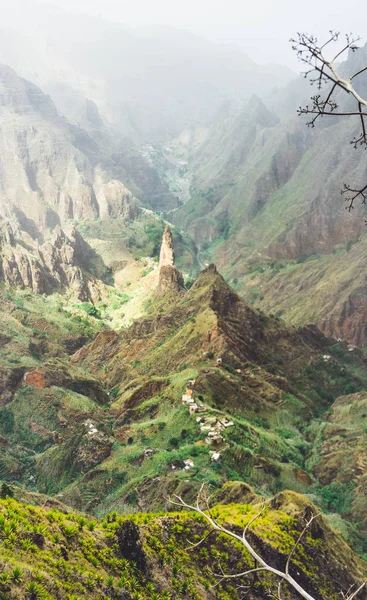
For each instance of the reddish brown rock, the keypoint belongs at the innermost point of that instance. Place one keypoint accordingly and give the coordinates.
(35, 379)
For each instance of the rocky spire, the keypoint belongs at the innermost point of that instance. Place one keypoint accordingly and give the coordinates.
(170, 278)
(167, 254)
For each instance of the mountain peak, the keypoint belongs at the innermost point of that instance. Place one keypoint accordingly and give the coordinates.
(170, 278)
(23, 96)
(167, 253)
(210, 277)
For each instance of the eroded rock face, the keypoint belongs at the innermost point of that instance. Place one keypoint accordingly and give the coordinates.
(58, 375)
(130, 545)
(50, 170)
(170, 278)
(167, 253)
(56, 265)
(94, 447)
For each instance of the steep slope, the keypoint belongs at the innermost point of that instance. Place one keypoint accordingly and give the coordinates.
(67, 221)
(203, 388)
(339, 459)
(50, 552)
(50, 171)
(264, 380)
(270, 198)
(65, 264)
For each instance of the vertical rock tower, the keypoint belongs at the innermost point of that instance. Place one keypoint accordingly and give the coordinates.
(170, 278)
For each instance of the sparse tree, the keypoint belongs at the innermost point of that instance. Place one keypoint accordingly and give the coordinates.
(203, 508)
(323, 72)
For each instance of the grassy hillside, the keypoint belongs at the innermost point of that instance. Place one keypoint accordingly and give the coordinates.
(116, 433)
(106, 429)
(51, 553)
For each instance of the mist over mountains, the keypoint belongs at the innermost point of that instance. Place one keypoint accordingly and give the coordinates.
(133, 368)
(148, 82)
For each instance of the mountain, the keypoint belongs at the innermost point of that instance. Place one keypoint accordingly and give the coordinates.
(266, 206)
(147, 82)
(125, 376)
(50, 172)
(116, 432)
(59, 188)
(203, 388)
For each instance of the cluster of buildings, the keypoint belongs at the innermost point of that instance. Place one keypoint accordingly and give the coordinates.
(211, 425)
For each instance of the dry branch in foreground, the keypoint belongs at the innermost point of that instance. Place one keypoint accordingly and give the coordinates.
(322, 72)
(260, 565)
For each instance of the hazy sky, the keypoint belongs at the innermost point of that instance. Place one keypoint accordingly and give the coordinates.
(261, 27)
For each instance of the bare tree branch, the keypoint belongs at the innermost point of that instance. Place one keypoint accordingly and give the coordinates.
(353, 594)
(353, 194)
(306, 527)
(284, 576)
(324, 72)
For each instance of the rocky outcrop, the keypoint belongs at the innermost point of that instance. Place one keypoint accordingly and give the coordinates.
(130, 545)
(58, 375)
(170, 278)
(61, 263)
(94, 447)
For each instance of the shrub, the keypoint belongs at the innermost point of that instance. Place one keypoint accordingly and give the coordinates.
(336, 497)
(6, 491)
(17, 575)
(19, 302)
(90, 309)
(350, 388)
(6, 420)
(228, 368)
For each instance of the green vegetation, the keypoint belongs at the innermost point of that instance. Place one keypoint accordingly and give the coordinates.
(108, 431)
(48, 553)
(90, 309)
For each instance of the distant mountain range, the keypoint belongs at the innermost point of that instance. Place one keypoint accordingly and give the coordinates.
(149, 83)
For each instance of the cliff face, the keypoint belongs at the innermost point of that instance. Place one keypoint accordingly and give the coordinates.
(50, 171)
(170, 278)
(60, 264)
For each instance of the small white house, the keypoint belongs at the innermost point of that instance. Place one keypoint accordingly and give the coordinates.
(186, 399)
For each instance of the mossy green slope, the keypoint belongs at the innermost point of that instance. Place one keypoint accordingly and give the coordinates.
(54, 555)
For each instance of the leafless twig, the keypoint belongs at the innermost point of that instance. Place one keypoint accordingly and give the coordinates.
(284, 576)
(322, 71)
